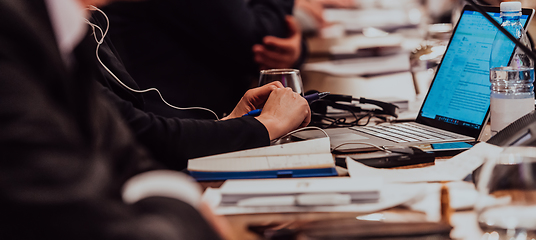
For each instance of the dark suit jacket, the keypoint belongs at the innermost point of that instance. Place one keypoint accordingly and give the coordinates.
(65, 151)
(172, 140)
(198, 53)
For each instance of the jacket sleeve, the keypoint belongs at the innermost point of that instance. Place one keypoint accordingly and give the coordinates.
(173, 141)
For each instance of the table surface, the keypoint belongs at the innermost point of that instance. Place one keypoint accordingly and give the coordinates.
(401, 86)
(463, 222)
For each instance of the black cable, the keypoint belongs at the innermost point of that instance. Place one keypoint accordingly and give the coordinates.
(343, 102)
(504, 31)
(483, 3)
(531, 41)
(342, 121)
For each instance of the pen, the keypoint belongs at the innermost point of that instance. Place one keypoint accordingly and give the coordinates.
(307, 199)
(310, 98)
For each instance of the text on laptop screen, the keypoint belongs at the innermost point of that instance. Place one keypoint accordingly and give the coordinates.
(460, 92)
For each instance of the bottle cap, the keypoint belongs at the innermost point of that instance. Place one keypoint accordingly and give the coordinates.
(510, 6)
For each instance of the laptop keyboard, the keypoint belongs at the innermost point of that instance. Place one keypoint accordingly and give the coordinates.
(405, 132)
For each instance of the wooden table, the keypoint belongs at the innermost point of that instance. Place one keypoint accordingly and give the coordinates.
(463, 222)
(242, 223)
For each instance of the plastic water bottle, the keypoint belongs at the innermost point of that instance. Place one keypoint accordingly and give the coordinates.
(512, 90)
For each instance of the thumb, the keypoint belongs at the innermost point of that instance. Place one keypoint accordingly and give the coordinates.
(293, 27)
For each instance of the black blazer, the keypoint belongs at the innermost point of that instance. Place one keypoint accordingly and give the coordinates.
(172, 140)
(65, 151)
(198, 53)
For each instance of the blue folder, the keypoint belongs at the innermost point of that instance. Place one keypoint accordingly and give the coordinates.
(296, 173)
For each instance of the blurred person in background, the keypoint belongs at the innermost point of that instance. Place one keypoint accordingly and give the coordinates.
(309, 13)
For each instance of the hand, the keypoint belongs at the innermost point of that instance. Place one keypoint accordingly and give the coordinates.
(253, 99)
(337, 3)
(279, 52)
(283, 112)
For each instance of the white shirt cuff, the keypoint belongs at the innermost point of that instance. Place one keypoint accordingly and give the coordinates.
(162, 183)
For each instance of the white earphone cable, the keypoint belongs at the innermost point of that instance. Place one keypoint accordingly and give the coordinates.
(101, 40)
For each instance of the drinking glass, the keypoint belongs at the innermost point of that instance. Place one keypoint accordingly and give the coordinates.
(506, 206)
(427, 56)
(288, 77)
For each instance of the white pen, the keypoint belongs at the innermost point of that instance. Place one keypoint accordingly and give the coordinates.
(288, 200)
(313, 199)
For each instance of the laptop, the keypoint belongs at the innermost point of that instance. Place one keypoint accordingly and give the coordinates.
(456, 107)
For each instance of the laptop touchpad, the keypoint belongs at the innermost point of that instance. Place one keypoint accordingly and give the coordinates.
(349, 137)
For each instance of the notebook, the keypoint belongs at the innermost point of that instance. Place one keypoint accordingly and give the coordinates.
(456, 107)
(310, 158)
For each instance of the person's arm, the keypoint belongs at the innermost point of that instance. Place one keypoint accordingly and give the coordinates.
(172, 140)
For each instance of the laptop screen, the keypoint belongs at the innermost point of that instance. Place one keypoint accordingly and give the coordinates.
(458, 99)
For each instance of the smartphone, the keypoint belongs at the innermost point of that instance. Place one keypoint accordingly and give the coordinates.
(446, 149)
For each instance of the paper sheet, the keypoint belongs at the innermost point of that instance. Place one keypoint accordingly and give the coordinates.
(238, 164)
(456, 168)
(362, 66)
(356, 20)
(300, 185)
(313, 146)
(391, 195)
(314, 153)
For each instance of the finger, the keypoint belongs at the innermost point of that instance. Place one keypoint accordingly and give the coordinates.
(275, 52)
(305, 108)
(267, 62)
(258, 96)
(269, 59)
(293, 26)
(271, 63)
(279, 44)
(307, 119)
(277, 84)
(258, 48)
(264, 91)
(275, 59)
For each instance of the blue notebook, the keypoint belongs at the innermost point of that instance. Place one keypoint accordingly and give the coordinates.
(214, 176)
(311, 158)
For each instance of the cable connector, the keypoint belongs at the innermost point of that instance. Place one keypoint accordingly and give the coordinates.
(338, 97)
